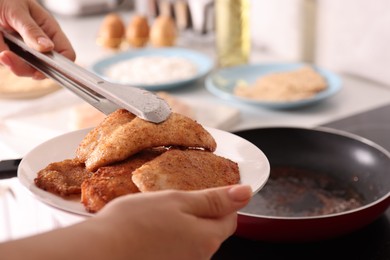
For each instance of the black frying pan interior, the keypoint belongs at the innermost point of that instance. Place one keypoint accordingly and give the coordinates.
(322, 166)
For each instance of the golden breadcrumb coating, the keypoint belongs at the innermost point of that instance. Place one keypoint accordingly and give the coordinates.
(110, 182)
(63, 178)
(186, 170)
(104, 129)
(138, 134)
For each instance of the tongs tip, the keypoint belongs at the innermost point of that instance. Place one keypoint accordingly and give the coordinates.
(158, 114)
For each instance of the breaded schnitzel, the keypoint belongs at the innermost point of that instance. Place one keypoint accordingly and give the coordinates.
(113, 181)
(138, 134)
(63, 178)
(186, 170)
(104, 129)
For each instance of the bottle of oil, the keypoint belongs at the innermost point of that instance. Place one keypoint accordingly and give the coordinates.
(232, 32)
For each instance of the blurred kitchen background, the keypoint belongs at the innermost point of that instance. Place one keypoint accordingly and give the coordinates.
(349, 36)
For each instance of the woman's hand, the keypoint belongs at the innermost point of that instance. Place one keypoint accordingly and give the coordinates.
(156, 225)
(173, 224)
(39, 30)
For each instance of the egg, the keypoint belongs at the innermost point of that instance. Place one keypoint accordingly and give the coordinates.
(163, 32)
(137, 32)
(112, 31)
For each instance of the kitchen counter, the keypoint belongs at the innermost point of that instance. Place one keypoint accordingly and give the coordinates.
(357, 95)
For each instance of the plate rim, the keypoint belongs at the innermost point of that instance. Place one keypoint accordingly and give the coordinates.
(201, 60)
(27, 178)
(335, 86)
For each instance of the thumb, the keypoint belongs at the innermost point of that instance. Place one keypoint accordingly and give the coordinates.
(218, 202)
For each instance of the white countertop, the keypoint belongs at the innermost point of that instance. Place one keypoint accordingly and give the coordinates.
(27, 123)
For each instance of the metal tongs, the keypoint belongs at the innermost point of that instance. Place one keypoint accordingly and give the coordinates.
(103, 95)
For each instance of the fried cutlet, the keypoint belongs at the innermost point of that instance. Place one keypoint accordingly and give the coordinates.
(138, 134)
(186, 170)
(105, 128)
(110, 182)
(63, 178)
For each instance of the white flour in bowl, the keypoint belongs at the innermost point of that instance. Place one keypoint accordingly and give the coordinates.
(150, 70)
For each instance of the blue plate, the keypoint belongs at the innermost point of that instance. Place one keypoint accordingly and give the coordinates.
(222, 83)
(203, 63)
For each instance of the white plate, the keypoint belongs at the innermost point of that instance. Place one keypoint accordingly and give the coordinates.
(222, 83)
(203, 64)
(253, 164)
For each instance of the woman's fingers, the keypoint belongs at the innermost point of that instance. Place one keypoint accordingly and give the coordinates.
(216, 211)
(218, 202)
(39, 30)
(52, 29)
(18, 66)
(20, 19)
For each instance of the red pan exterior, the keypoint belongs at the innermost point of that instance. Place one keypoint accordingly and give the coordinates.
(309, 229)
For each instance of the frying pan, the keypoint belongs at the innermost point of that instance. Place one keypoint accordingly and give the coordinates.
(324, 183)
